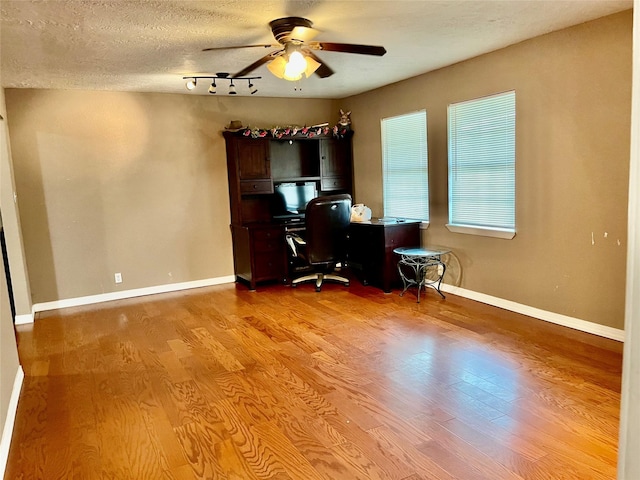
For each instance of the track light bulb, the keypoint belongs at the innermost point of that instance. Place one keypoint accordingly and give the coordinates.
(232, 88)
(191, 84)
(252, 88)
(212, 88)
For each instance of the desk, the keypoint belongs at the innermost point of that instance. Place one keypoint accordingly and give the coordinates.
(371, 245)
(417, 261)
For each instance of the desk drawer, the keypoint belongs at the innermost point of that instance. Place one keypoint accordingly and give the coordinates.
(334, 183)
(267, 240)
(270, 245)
(269, 266)
(248, 187)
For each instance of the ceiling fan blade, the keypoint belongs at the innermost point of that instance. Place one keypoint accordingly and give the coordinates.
(256, 64)
(303, 34)
(239, 46)
(349, 48)
(323, 70)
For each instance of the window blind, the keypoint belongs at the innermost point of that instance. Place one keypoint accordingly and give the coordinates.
(482, 162)
(405, 176)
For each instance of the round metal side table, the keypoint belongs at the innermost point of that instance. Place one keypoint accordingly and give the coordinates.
(414, 265)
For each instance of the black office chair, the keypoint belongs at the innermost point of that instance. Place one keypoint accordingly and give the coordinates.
(325, 241)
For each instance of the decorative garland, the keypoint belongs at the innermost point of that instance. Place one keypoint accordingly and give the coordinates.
(338, 131)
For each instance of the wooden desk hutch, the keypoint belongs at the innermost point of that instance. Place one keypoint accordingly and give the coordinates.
(253, 166)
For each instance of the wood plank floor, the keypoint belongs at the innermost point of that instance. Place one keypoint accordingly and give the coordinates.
(349, 383)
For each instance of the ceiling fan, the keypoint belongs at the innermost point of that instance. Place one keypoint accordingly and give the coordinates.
(295, 55)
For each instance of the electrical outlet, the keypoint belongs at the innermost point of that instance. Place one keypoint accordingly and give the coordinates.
(118, 277)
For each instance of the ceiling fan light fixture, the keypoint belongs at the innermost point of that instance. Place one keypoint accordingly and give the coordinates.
(296, 65)
(191, 83)
(292, 65)
(295, 56)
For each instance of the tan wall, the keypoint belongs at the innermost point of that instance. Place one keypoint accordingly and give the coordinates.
(573, 97)
(129, 182)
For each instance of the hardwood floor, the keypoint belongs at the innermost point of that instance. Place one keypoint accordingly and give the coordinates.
(349, 383)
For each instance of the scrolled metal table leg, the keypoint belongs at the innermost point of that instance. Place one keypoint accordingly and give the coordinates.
(401, 275)
(444, 268)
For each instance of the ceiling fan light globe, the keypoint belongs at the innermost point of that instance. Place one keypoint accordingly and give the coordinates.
(312, 66)
(277, 66)
(297, 62)
(292, 78)
(191, 84)
(295, 67)
(292, 74)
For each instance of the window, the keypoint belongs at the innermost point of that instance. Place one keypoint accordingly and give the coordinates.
(482, 166)
(405, 177)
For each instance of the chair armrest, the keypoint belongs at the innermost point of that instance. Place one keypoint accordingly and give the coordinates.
(294, 241)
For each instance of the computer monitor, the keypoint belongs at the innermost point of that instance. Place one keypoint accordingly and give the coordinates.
(292, 198)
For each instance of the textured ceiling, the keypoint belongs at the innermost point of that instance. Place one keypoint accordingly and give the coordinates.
(149, 45)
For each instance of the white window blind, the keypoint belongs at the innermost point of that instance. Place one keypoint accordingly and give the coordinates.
(405, 176)
(482, 136)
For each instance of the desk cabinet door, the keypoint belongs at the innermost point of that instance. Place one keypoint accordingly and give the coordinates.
(335, 165)
(269, 254)
(253, 159)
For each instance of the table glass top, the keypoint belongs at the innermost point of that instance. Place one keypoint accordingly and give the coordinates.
(421, 251)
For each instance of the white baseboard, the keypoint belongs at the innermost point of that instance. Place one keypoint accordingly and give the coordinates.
(12, 409)
(138, 292)
(564, 320)
(23, 319)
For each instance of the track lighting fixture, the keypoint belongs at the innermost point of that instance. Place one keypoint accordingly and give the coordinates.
(191, 82)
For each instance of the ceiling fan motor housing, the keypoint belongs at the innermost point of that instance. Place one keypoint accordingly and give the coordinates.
(282, 27)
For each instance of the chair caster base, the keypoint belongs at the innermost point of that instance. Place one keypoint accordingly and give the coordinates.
(319, 280)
